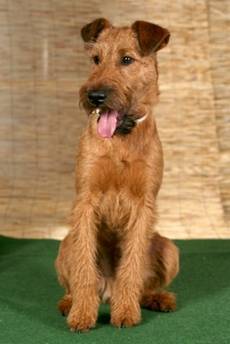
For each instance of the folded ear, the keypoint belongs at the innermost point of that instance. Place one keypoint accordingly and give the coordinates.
(151, 37)
(91, 31)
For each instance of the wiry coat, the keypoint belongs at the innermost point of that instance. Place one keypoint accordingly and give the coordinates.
(112, 252)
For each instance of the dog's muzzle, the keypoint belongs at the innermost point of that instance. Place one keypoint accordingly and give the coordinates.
(97, 97)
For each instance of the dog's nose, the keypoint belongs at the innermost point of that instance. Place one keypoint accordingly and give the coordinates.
(97, 97)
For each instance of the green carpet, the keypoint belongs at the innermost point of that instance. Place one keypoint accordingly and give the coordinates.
(29, 292)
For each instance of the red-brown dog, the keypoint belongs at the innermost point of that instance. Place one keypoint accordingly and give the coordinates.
(112, 252)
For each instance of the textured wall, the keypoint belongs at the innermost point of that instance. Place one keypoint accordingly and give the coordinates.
(42, 65)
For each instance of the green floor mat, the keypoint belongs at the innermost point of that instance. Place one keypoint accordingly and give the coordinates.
(29, 292)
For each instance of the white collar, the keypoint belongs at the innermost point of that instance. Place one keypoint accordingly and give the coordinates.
(139, 120)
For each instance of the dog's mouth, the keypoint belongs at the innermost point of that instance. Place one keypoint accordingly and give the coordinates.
(112, 122)
(108, 122)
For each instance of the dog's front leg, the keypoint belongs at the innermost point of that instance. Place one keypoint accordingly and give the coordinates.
(83, 274)
(128, 285)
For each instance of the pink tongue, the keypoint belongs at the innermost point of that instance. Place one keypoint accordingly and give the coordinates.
(107, 124)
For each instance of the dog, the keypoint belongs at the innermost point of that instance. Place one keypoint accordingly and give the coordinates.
(112, 252)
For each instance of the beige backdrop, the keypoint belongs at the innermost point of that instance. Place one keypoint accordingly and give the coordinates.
(42, 65)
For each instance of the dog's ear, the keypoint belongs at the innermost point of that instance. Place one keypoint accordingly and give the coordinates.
(91, 31)
(151, 37)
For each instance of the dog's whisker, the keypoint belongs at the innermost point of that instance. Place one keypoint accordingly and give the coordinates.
(96, 111)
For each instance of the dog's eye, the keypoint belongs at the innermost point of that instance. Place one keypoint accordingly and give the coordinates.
(126, 60)
(96, 59)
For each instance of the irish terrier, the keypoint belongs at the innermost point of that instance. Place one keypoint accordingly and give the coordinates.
(112, 252)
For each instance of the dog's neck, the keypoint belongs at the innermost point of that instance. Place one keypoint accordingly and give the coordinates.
(139, 140)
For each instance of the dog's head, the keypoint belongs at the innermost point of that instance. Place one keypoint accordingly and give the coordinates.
(122, 85)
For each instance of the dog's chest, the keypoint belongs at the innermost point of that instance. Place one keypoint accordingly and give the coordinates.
(120, 183)
(120, 176)
(114, 209)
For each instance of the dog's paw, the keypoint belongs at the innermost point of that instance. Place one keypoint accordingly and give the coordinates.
(126, 316)
(81, 321)
(65, 305)
(162, 302)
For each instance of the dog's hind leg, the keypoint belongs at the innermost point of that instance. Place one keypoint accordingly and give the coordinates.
(165, 266)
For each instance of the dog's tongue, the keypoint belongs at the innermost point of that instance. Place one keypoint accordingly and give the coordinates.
(107, 124)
